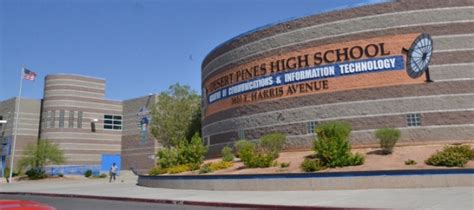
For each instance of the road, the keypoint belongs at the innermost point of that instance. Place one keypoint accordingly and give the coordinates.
(94, 204)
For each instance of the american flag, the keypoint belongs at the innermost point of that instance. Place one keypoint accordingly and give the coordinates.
(29, 75)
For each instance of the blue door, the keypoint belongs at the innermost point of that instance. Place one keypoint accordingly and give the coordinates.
(108, 160)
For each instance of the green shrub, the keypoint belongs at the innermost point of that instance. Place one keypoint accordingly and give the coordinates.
(263, 154)
(215, 166)
(465, 150)
(311, 165)
(167, 157)
(179, 169)
(227, 154)
(260, 161)
(220, 165)
(88, 173)
(451, 156)
(60, 175)
(388, 138)
(244, 146)
(285, 165)
(191, 152)
(205, 169)
(36, 173)
(41, 153)
(157, 171)
(102, 175)
(332, 146)
(245, 149)
(410, 162)
(253, 158)
(356, 159)
(272, 144)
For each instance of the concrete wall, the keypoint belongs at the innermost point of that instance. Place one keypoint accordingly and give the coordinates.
(446, 106)
(315, 181)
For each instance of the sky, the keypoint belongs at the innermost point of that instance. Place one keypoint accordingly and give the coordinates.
(138, 46)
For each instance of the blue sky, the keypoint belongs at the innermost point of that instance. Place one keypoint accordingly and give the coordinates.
(138, 46)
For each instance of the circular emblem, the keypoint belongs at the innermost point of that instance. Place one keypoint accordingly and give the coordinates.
(419, 55)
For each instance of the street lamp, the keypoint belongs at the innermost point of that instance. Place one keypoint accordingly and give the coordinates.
(93, 122)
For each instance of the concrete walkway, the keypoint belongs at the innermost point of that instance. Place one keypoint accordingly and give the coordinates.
(426, 198)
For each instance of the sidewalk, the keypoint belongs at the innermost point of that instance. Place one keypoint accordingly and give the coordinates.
(427, 198)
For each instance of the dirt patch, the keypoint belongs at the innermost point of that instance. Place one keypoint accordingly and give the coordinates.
(373, 161)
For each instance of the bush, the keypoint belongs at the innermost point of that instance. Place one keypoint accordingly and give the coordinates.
(332, 146)
(40, 154)
(245, 149)
(410, 162)
(205, 169)
(356, 159)
(263, 154)
(167, 157)
(179, 169)
(311, 165)
(220, 165)
(388, 138)
(285, 165)
(465, 150)
(102, 175)
(88, 173)
(227, 154)
(243, 146)
(157, 171)
(272, 144)
(451, 156)
(260, 161)
(211, 167)
(60, 175)
(36, 173)
(251, 157)
(191, 152)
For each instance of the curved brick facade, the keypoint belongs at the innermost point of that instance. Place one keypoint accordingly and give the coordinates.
(70, 105)
(253, 84)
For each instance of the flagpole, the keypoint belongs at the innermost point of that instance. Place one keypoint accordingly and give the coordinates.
(15, 133)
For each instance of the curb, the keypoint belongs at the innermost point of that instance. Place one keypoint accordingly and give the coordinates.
(185, 202)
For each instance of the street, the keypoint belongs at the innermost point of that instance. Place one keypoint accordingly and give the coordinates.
(95, 204)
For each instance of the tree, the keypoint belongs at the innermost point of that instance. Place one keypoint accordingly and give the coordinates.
(176, 115)
(38, 155)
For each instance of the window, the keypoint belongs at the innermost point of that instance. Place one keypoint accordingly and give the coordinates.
(79, 119)
(44, 115)
(241, 134)
(71, 119)
(61, 118)
(311, 126)
(48, 119)
(207, 141)
(414, 120)
(53, 118)
(112, 122)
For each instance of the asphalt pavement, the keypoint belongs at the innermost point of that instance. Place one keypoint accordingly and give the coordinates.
(61, 203)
